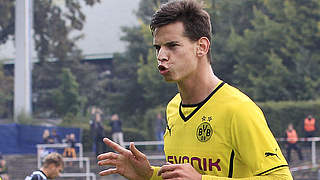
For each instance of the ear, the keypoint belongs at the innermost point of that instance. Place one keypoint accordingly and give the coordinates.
(203, 46)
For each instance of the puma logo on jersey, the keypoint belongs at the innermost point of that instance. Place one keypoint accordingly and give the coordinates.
(169, 129)
(271, 154)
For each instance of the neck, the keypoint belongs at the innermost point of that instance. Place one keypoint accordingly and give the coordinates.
(195, 88)
(45, 171)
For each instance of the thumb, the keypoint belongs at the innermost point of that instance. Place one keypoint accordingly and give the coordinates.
(136, 152)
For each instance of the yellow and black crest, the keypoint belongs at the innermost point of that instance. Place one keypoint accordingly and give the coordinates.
(204, 132)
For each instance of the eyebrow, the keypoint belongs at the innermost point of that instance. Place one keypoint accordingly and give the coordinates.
(167, 43)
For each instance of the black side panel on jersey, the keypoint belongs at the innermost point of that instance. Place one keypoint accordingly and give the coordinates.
(231, 164)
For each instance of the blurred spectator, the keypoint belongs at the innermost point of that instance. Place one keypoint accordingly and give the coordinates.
(116, 129)
(51, 168)
(309, 126)
(92, 125)
(292, 138)
(98, 134)
(94, 110)
(45, 136)
(65, 140)
(45, 140)
(70, 151)
(54, 138)
(159, 128)
(3, 168)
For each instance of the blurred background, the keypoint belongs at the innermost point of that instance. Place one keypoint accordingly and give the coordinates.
(94, 57)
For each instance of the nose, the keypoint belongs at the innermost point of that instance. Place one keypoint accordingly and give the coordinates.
(162, 55)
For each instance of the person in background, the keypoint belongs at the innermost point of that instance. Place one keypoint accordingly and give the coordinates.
(3, 168)
(51, 168)
(70, 150)
(292, 138)
(116, 129)
(159, 128)
(92, 125)
(45, 140)
(309, 126)
(98, 133)
(54, 138)
(45, 136)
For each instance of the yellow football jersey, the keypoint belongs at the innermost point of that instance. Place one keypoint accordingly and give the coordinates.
(226, 135)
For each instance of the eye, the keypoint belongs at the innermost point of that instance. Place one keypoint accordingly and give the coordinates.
(172, 45)
(157, 47)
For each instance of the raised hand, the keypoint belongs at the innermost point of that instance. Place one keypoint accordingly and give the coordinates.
(131, 164)
(179, 171)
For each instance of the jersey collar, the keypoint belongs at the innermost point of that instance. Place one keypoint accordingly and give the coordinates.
(198, 106)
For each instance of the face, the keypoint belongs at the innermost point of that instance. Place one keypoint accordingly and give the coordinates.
(54, 171)
(98, 117)
(176, 54)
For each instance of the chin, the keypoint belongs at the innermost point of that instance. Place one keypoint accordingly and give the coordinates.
(169, 79)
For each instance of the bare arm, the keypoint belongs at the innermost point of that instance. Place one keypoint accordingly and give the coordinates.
(131, 164)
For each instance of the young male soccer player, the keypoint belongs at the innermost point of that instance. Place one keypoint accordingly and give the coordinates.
(214, 131)
(52, 167)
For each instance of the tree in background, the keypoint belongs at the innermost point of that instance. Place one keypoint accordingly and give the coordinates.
(228, 16)
(121, 93)
(6, 93)
(53, 25)
(66, 98)
(136, 86)
(278, 58)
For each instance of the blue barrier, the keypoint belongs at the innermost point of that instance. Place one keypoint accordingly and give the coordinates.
(22, 139)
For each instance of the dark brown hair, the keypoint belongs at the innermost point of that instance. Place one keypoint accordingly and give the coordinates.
(195, 19)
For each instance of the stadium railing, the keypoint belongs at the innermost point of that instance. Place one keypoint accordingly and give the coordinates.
(148, 143)
(79, 175)
(41, 148)
(87, 173)
(313, 141)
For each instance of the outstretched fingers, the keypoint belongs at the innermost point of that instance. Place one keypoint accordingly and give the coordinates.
(108, 155)
(108, 172)
(137, 154)
(115, 146)
(131, 164)
(111, 162)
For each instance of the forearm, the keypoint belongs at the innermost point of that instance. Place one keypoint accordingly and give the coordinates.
(282, 174)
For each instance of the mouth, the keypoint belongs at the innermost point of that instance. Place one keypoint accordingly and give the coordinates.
(162, 69)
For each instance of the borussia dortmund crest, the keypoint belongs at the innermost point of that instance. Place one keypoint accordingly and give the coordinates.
(204, 132)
